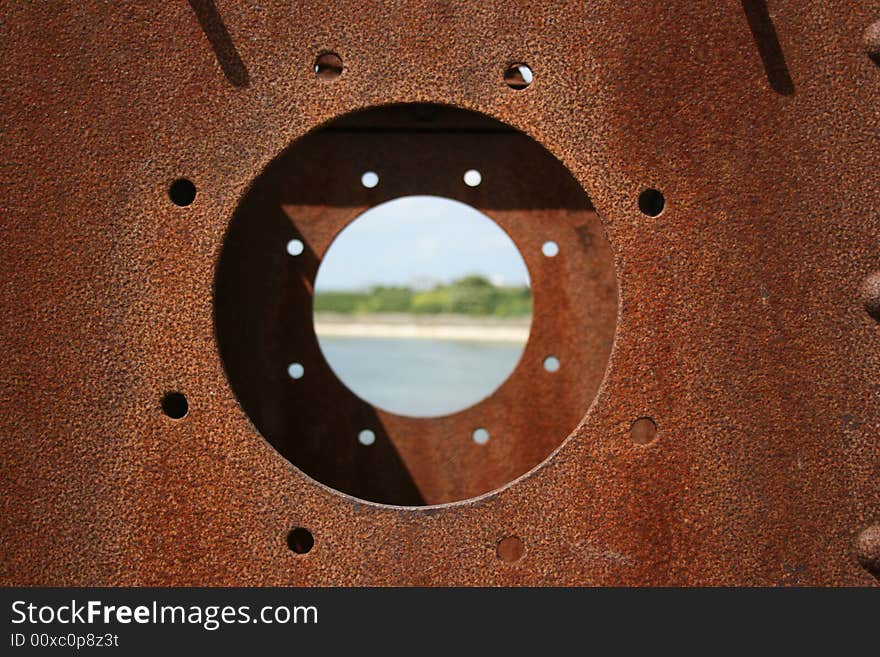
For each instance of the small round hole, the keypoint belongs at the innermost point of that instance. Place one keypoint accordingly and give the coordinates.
(300, 540)
(510, 549)
(174, 405)
(518, 76)
(366, 437)
(182, 192)
(295, 247)
(481, 436)
(550, 249)
(472, 178)
(370, 179)
(643, 431)
(551, 364)
(651, 202)
(328, 66)
(296, 370)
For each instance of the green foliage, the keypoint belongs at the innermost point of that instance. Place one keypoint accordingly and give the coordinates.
(472, 295)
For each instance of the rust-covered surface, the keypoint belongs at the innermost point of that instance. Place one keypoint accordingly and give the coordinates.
(734, 436)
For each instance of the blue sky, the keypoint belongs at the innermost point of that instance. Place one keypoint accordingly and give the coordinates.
(419, 241)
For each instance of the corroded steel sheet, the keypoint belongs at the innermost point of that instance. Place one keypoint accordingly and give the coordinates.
(733, 438)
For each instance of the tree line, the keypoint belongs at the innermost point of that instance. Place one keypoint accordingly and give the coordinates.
(470, 295)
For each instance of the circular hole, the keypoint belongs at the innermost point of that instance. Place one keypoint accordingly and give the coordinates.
(472, 178)
(643, 431)
(366, 437)
(414, 319)
(300, 540)
(480, 436)
(174, 405)
(550, 249)
(551, 364)
(296, 370)
(651, 202)
(510, 549)
(182, 192)
(518, 76)
(370, 179)
(417, 332)
(328, 66)
(295, 247)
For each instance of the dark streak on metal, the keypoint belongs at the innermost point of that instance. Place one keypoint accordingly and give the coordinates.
(218, 36)
(768, 45)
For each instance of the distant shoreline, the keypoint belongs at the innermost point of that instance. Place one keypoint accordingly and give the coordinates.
(423, 327)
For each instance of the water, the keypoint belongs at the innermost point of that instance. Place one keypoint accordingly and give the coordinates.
(420, 377)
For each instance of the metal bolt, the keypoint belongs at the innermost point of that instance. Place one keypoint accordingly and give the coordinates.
(871, 295)
(868, 549)
(872, 42)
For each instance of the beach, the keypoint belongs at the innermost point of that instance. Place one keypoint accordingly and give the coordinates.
(423, 327)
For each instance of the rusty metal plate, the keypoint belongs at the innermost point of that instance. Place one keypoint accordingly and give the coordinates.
(745, 322)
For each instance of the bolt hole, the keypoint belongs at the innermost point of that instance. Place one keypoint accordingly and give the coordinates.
(518, 76)
(328, 66)
(174, 405)
(550, 249)
(182, 192)
(651, 202)
(472, 178)
(551, 364)
(370, 179)
(366, 437)
(480, 436)
(300, 540)
(296, 370)
(510, 549)
(295, 247)
(643, 431)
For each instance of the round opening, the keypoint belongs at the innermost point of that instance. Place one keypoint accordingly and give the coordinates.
(370, 179)
(550, 249)
(472, 178)
(182, 192)
(643, 431)
(651, 202)
(300, 540)
(480, 436)
(416, 320)
(174, 405)
(518, 76)
(295, 247)
(328, 66)
(551, 364)
(410, 305)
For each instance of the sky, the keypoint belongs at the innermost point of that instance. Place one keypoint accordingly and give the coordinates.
(419, 241)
